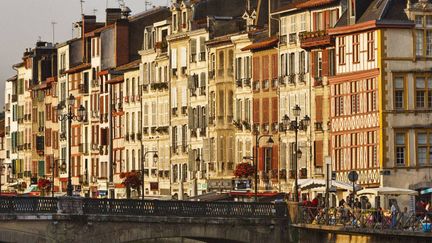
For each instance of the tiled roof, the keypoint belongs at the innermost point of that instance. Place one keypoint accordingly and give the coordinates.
(384, 11)
(269, 42)
(304, 4)
(78, 68)
(115, 80)
(128, 66)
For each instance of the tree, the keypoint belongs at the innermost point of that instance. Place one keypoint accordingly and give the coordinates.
(131, 180)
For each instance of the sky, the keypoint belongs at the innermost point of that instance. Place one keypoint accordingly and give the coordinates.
(23, 22)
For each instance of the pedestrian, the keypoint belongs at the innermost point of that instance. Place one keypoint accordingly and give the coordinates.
(394, 214)
(341, 202)
(357, 203)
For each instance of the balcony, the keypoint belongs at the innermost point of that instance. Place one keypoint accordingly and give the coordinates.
(239, 83)
(132, 136)
(83, 89)
(139, 136)
(309, 40)
(41, 129)
(247, 82)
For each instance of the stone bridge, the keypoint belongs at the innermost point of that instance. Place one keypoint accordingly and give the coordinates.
(108, 220)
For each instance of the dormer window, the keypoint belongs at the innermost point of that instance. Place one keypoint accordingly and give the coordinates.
(174, 22)
(184, 20)
(423, 35)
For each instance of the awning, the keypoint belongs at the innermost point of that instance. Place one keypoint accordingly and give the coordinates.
(426, 191)
(387, 191)
(210, 197)
(306, 184)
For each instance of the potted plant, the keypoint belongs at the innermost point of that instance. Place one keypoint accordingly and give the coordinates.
(244, 170)
(44, 185)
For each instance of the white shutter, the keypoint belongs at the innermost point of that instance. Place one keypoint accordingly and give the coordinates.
(184, 96)
(174, 97)
(183, 56)
(173, 58)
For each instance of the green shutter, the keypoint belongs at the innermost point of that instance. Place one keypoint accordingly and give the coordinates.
(41, 168)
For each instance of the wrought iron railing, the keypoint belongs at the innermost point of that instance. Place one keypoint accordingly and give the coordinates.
(28, 205)
(363, 219)
(12, 205)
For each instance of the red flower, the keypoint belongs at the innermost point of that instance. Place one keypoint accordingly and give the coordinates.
(44, 184)
(132, 179)
(244, 170)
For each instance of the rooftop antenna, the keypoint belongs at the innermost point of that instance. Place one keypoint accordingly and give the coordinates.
(82, 9)
(53, 23)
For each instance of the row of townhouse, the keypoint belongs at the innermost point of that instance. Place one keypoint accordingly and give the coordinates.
(200, 81)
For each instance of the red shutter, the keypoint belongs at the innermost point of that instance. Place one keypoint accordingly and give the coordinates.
(313, 63)
(275, 109)
(275, 157)
(319, 153)
(261, 159)
(265, 110)
(274, 66)
(327, 19)
(256, 110)
(325, 66)
(315, 16)
(265, 68)
(256, 68)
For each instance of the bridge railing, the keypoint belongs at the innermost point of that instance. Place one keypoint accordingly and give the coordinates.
(183, 208)
(28, 205)
(146, 207)
(362, 219)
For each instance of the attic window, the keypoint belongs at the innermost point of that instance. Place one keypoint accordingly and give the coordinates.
(352, 7)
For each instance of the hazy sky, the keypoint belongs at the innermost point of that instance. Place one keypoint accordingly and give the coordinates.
(23, 22)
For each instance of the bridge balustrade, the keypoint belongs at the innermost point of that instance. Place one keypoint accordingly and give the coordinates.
(147, 207)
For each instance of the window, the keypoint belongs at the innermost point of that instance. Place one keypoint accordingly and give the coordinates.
(422, 148)
(356, 48)
(339, 100)
(399, 102)
(341, 43)
(400, 149)
(303, 22)
(293, 24)
(420, 92)
(370, 46)
(302, 62)
(355, 98)
(292, 63)
(423, 35)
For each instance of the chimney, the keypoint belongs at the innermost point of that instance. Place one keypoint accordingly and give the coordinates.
(113, 14)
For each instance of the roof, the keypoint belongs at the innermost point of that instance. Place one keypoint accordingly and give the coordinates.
(303, 4)
(381, 11)
(128, 66)
(79, 68)
(115, 80)
(13, 78)
(263, 44)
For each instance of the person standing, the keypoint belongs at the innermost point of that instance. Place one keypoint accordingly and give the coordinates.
(393, 215)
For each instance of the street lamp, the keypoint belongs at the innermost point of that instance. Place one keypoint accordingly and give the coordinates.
(70, 116)
(296, 125)
(270, 142)
(2, 169)
(155, 160)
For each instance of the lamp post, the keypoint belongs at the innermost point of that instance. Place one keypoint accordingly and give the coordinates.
(155, 160)
(70, 116)
(296, 125)
(2, 169)
(269, 142)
